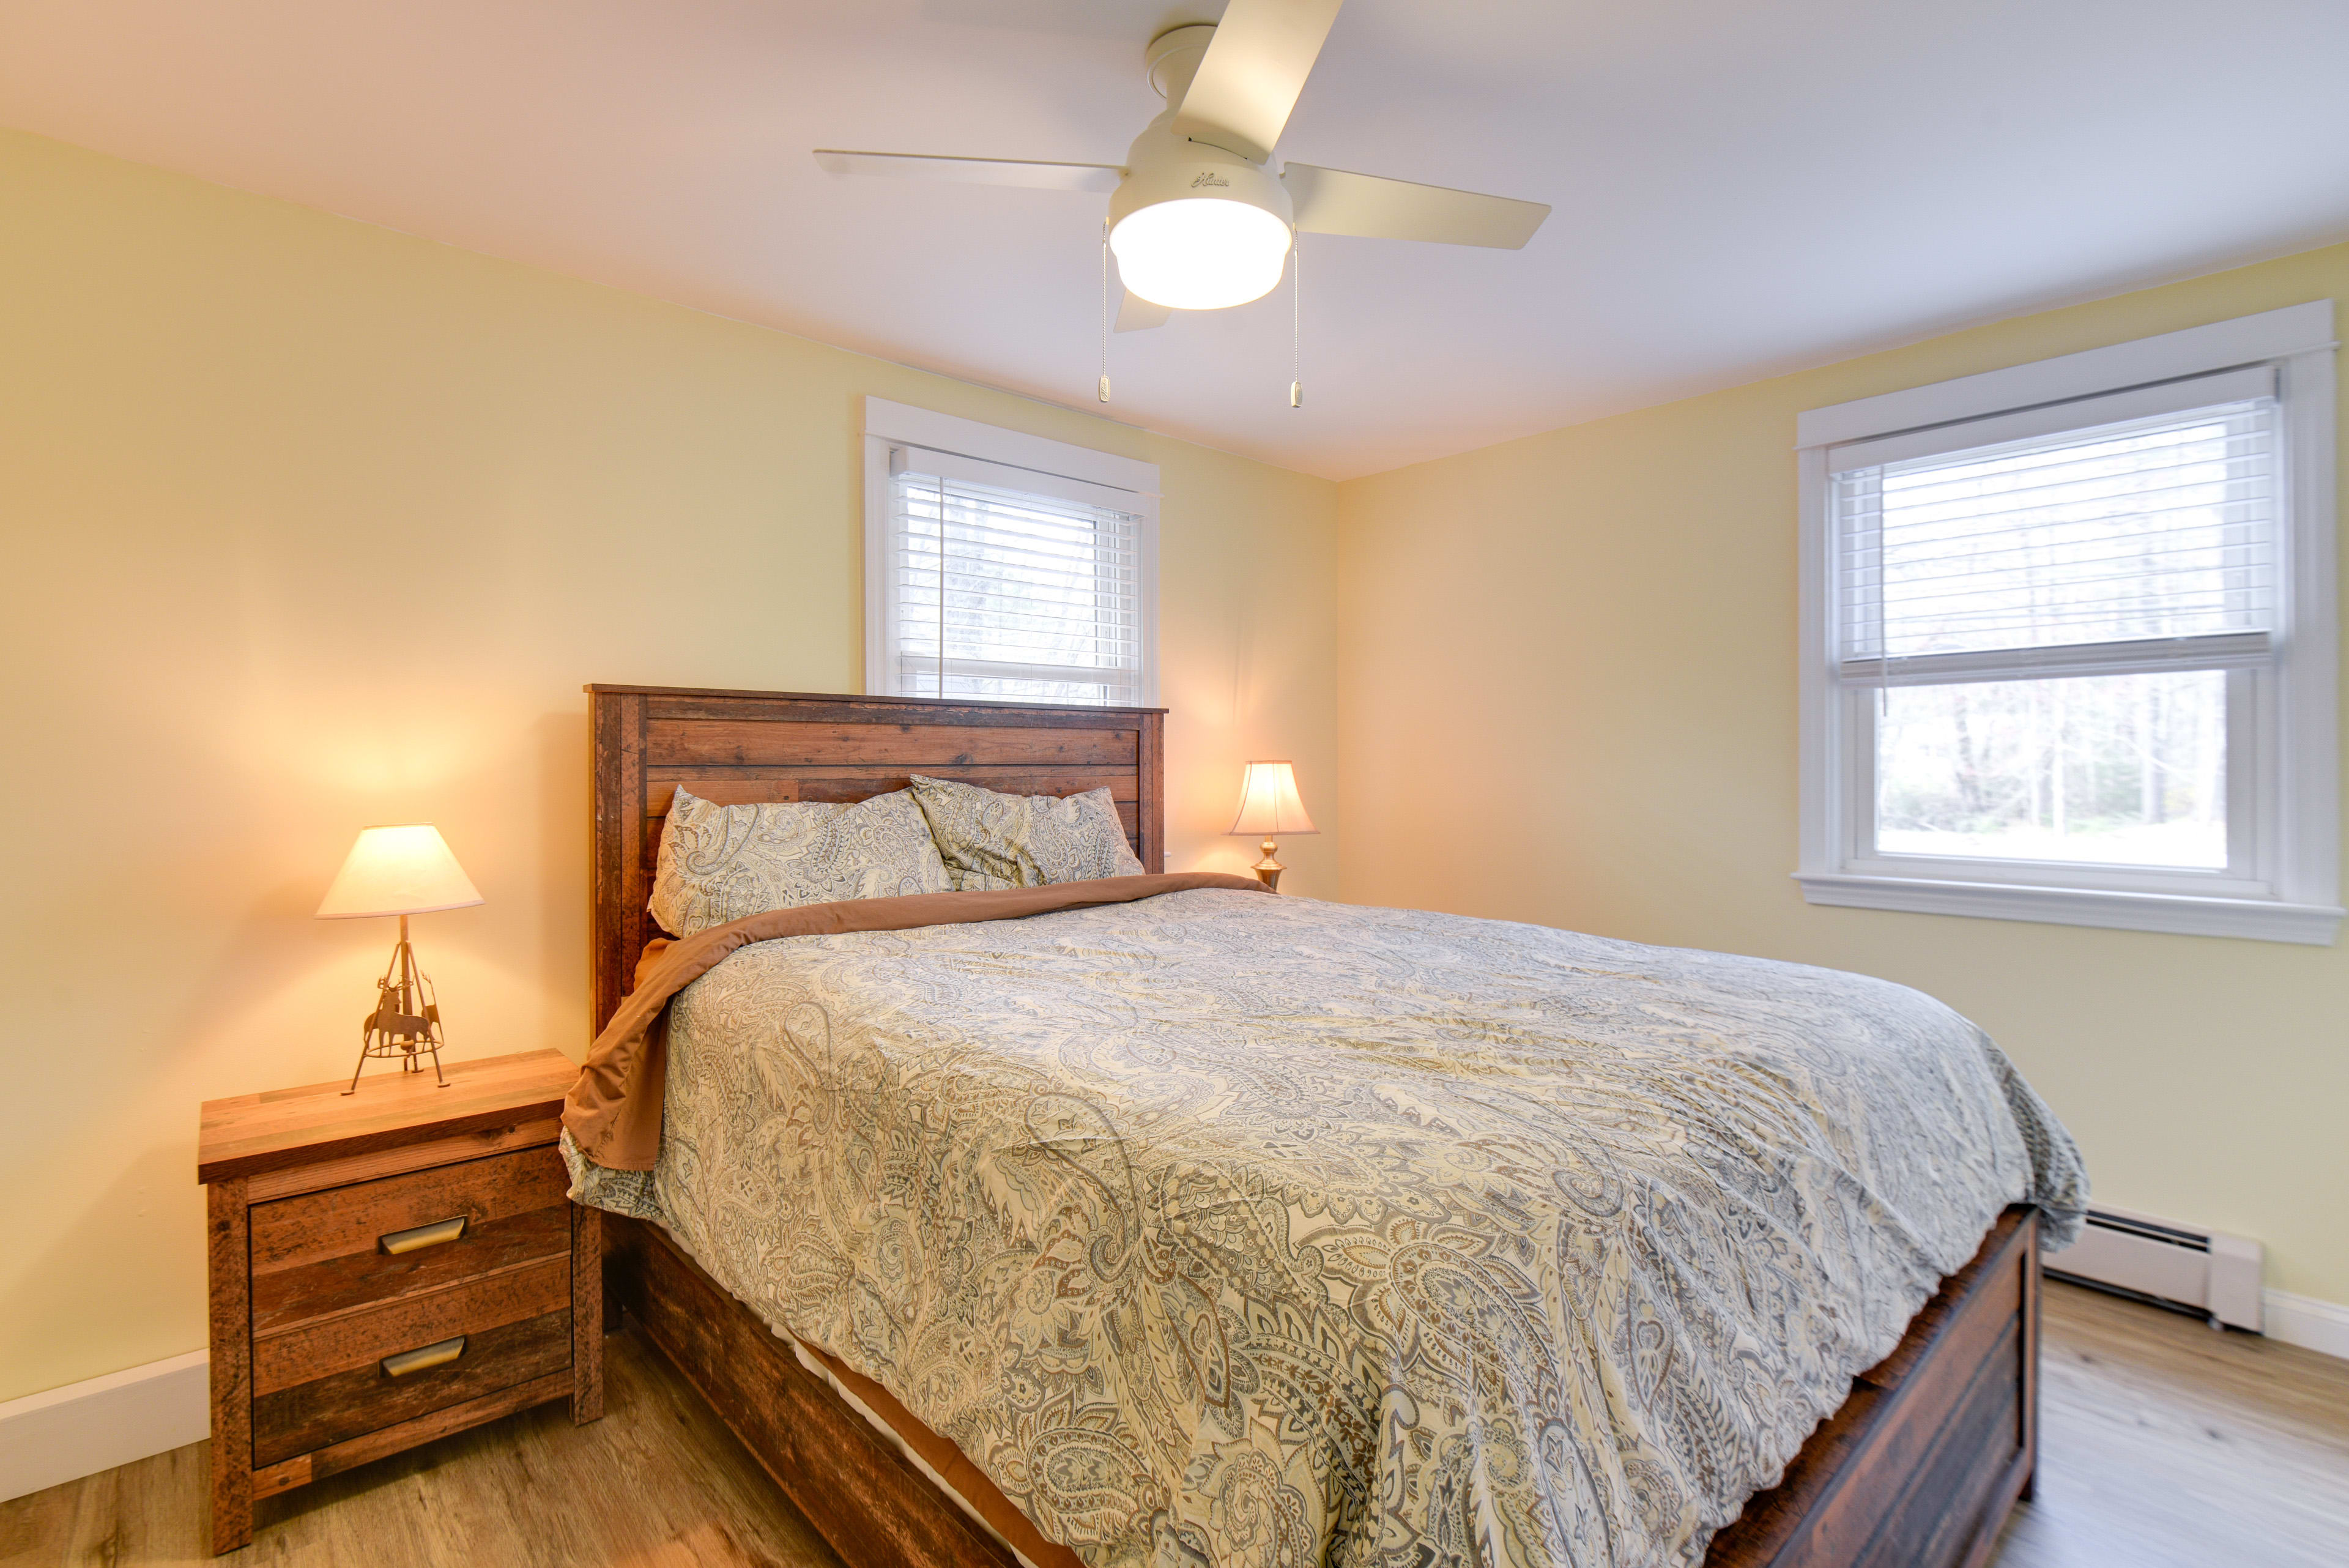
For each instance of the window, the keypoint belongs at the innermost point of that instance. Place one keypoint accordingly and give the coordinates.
(2069, 639)
(1006, 567)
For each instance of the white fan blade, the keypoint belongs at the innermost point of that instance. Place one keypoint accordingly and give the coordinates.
(1102, 177)
(1263, 51)
(1332, 202)
(1136, 314)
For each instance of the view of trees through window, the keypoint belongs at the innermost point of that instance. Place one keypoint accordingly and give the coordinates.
(2115, 769)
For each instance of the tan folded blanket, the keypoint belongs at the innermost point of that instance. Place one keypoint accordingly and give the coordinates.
(613, 1111)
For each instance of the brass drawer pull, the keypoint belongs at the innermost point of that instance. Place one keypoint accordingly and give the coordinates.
(431, 1355)
(430, 1235)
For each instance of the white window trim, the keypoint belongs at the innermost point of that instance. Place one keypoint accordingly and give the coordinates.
(1082, 473)
(2302, 811)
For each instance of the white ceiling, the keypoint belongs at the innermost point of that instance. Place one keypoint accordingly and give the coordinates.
(1741, 189)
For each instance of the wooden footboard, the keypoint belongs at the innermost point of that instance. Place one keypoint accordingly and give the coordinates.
(1922, 1465)
(1917, 1470)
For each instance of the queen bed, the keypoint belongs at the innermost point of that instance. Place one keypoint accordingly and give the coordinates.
(1166, 1220)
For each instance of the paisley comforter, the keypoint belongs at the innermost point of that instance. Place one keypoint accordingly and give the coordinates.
(1224, 1229)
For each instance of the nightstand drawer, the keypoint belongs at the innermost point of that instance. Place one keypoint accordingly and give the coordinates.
(347, 1223)
(342, 1405)
(349, 1341)
(457, 1244)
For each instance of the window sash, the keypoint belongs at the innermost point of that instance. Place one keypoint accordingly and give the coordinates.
(2004, 544)
(2250, 720)
(1003, 583)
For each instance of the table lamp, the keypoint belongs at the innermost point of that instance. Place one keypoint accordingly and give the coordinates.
(1269, 806)
(399, 871)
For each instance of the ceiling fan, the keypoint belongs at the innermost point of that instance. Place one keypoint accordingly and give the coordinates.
(1198, 218)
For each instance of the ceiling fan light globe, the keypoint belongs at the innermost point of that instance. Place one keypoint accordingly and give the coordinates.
(1200, 253)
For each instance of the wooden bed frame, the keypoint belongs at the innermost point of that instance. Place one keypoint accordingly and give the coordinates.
(1917, 1470)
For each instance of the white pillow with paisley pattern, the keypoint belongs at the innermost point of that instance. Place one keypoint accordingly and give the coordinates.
(720, 863)
(992, 840)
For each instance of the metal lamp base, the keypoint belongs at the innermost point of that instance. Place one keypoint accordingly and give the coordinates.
(405, 1026)
(1268, 871)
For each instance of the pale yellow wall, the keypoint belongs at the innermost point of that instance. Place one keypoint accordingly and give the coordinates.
(309, 524)
(1569, 697)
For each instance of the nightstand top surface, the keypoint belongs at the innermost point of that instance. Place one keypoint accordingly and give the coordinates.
(248, 1134)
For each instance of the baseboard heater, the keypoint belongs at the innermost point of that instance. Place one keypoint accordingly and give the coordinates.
(2208, 1273)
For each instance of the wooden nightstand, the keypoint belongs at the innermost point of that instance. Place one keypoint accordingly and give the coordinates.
(389, 1268)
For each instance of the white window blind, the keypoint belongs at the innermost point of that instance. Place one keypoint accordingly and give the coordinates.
(1013, 585)
(2167, 528)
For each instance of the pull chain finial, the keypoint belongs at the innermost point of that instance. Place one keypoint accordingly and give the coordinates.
(1104, 375)
(1296, 325)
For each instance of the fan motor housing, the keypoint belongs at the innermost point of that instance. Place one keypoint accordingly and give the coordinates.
(1163, 166)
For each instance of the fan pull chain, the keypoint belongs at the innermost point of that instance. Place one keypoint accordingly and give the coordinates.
(1296, 325)
(1105, 376)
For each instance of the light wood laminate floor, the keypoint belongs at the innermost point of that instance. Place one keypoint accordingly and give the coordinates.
(2166, 1444)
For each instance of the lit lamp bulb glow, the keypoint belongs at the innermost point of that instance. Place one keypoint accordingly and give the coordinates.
(1200, 253)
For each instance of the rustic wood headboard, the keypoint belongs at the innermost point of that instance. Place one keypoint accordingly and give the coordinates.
(739, 747)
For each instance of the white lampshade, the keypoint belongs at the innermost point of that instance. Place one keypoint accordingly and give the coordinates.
(1200, 254)
(397, 871)
(1268, 804)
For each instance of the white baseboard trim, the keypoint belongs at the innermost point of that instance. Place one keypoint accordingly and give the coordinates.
(2308, 1323)
(62, 1434)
